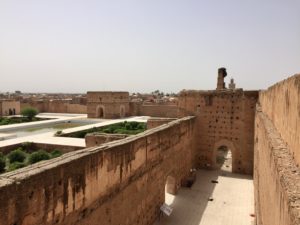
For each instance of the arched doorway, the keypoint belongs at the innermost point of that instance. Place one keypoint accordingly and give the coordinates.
(100, 111)
(122, 111)
(224, 156)
(10, 112)
(171, 186)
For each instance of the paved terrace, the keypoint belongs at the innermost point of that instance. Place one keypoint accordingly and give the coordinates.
(233, 200)
(49, 138)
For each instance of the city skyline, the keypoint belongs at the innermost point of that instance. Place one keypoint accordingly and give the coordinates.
(76, 46)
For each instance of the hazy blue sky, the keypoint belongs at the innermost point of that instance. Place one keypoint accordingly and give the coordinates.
(75, 46)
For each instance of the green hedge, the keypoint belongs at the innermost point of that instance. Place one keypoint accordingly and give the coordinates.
(16, 120)
(20, 157)
(130, 128)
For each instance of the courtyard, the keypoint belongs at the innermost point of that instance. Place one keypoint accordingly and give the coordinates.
(231, 200)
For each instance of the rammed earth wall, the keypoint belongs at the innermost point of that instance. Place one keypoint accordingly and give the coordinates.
(277, 154)
(95, 185)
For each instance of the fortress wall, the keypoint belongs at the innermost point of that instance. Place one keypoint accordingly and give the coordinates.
(97, 184)
(56, 107)
(65, 107)
(76, 108)
(223, 118)
(169, 111)
(276, 176)
(40, 106)
(9, 105)
(277, 154)
(281, 103)
(157, 121)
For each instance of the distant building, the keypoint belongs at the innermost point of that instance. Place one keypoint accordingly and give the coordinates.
(107, 104)
(9, 108)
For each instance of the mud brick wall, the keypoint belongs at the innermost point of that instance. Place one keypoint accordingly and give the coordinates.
(223, 118)
(277, 154)
(118, 183)
(156, 122)
(281, 103)
(276, 176)
(96, 139)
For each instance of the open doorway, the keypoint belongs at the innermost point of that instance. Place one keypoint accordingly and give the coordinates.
(122, 111)
(171, 185)
(170, 189)
(224, 158)
(100, 112)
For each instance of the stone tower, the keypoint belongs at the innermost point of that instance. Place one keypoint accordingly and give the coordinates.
(231, 84)
(221, 75)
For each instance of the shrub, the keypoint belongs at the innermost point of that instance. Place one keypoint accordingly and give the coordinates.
(141, 126)
(5, 121)
(2, 163)
(55, 153)
(79, 134)
(118, 128)
(17, 155)
(109, 130)
(58, 133)
(38, 156)
(16, 165)
(128, 126)
(134, 125)
(29, 112)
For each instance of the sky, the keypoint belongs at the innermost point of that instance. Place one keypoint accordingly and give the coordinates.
(145, 45)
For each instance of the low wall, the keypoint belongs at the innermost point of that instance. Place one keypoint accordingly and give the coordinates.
(281, 103)
(122, 182)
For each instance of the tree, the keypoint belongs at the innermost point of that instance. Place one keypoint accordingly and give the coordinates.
(29, 112)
